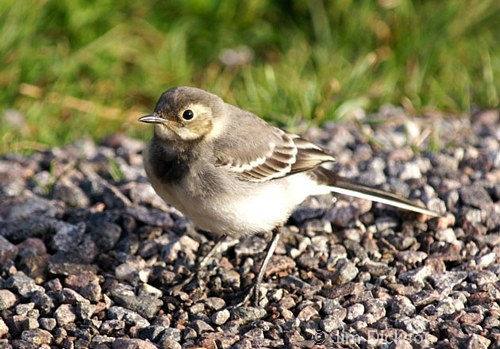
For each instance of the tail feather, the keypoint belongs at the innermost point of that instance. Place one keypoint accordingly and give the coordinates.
(340, 185)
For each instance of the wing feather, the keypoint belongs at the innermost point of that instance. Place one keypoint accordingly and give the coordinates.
(285, 154)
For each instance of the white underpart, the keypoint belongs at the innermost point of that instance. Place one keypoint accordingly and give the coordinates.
(258, 210)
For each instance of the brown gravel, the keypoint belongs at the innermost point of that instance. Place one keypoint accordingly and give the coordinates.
(89, 254)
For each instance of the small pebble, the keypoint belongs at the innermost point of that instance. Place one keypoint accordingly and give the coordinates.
(246, 314)
(355, 311)
(307, 313)
(7, 299)
(345, 271)
(65, 314)
(448, 279)
(125, 343)
(475, 196)
(4, 329)
(47, 323)
(220, 317)
(7, 250)
(37, 336)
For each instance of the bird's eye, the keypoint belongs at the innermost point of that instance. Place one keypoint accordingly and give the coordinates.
(188, 114)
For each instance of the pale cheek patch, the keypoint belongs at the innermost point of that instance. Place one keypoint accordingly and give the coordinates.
(217, 128)
(165, 133)
(187, 135)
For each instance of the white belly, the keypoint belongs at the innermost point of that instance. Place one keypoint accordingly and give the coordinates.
(256, 208)
(249, 212)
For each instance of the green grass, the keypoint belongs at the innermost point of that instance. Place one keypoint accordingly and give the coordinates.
(70, 69)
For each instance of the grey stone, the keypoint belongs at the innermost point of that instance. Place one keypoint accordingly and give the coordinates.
(444, 161)
(65, 314)
(411, 257)
(47, 323)
(446, 235)
(355, 311)
(477, 342)
(105, 235)
(7, 299)
(476, 196)
(342, 214)
(376, 268)
(129, 316)
(67, 236)
(24, 308)
(151, 216)
(305, 213)
(220, 317)
(85, 283)
(331, 324)
(345, 272)
(425, 297)
(215, 303)
(100, 341)
(37, 336)
(293, 282)
(85, 310)
(162, 320)
(409, 170)
(349, 289)
(147, 306)
(168, 343)
(125, 343)
(417, 324)
(152, 332)
(7, 250)
(385, 223)
(72, 262)
(449, 305)
(486, 260)
(402, 305)
(43, 301)
(30, 206)
(22, 322)
(375, 308)
(4, 329)
(247, 314)
(307, 313)
(482, 277)
(374, 174)
(417, 276)
(23, 284)
(66, 191)
(201, 326)
(447, 279)
(491, 322)
(170, 333)
(111, 326)
(68, 295)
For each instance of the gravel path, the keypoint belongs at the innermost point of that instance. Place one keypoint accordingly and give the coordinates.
(89, 253)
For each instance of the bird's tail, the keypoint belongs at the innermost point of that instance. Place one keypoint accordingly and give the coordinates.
(341, 185)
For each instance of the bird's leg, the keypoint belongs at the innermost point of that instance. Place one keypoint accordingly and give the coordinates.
(204, 261)
(200, 265)
(254, 291)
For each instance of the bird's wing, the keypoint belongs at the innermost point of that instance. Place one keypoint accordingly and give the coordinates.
(269, 154)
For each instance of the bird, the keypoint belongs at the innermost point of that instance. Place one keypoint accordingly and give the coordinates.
(234, 175)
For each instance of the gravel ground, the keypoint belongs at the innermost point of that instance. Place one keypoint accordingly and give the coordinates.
(89, 254)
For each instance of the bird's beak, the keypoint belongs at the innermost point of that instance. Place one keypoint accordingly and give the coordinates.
(152, 119)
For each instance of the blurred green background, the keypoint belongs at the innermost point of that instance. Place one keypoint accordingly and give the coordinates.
(73, 68)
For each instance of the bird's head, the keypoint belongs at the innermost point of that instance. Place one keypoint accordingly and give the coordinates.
(186, 114)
